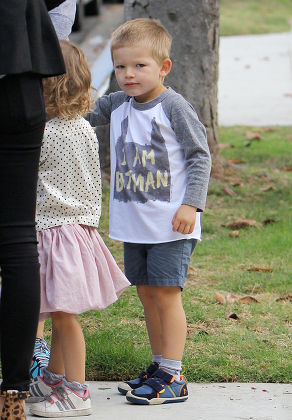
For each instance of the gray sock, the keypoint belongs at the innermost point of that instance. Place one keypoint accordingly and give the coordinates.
(50, 377)
(76, 386)
(173, 367)
(156, 358)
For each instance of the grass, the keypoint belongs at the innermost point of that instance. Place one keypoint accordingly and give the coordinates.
(257, 346)
(241, 17)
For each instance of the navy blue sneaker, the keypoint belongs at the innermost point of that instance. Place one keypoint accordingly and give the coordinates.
(161, 388)
(41, 357)
(137, 382)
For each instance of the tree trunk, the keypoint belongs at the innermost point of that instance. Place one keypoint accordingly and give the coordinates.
(194, 26)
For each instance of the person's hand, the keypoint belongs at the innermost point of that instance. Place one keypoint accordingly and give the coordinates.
(184, 219)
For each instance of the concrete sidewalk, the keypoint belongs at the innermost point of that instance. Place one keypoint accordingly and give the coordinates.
(255, 80)
(226, 401)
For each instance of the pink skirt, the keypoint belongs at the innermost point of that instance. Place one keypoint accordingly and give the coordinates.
(78, 272)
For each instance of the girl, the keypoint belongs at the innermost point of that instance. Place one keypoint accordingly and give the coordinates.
(78, 272)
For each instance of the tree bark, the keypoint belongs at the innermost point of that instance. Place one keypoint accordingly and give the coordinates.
(194, 26)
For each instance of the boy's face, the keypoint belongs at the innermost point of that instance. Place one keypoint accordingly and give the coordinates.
(138, 74)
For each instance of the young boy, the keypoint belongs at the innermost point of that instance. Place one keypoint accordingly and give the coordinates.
(160, 168)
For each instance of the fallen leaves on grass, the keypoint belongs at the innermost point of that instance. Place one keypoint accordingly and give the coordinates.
(236, 161)
(285, 298)
(223, 146)
(268, 188)
(234, 234)
(231, 315)
(220, 298)
(228, 190)
(268, 220)
(253, 135)
(230, 298)
(248, 299)
(267, 269)
(243, 224)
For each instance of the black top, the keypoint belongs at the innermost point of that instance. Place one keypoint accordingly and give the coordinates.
(28, 42)
(51, 4)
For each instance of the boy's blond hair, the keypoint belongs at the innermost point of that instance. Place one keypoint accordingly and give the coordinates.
(149, 33)
(69, 95)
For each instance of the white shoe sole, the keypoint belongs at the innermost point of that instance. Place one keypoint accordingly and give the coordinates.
(67, 413)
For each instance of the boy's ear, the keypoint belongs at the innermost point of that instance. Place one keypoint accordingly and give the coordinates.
(165, 67)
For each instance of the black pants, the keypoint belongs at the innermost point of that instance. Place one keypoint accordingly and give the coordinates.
(22, 121)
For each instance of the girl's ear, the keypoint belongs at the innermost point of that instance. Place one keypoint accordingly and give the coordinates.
(165, 67)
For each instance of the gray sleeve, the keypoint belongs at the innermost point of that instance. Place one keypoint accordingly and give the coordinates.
(104, 106)
(191, 134)
(63, 18)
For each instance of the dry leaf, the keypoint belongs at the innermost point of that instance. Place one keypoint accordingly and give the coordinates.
(242, 223)
(203, 332)
(220, 298)
(231, 315)
(253, 135)
(231, 298)
(268, 220)
(236, 161)
(223, 146)
(268, 188)
(285, 297)
(234, 234)
(267, 269)
(228, 190)
(191, 269)
(248, 299)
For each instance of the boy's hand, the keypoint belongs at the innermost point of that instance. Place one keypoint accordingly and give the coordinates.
(184, 219)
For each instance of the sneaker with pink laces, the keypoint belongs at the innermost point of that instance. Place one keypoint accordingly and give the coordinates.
(63, 402)
(39, 388)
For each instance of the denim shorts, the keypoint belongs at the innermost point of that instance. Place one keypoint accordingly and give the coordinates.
(162, 264)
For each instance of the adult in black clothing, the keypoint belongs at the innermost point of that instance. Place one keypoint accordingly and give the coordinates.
(29, 50)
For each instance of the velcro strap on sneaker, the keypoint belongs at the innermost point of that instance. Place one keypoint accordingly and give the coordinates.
(143, 375)
(157, 386)
(164, 375)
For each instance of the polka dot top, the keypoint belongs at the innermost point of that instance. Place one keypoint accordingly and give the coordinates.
(69, 184)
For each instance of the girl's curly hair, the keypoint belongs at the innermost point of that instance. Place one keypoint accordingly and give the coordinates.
(69, 95)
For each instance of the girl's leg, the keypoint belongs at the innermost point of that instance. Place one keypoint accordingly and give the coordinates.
(70, 345)
(153, 323)
(56, 362)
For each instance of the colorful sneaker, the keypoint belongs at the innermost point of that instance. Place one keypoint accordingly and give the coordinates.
(39, 389)
(40, 358)
(63, 402)
(161, 388)
(136, 383)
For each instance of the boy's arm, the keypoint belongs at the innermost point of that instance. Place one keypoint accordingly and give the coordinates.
(104, 106)
(102, 112)
(191, 134)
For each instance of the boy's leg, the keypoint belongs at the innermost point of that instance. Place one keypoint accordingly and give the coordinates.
(147, 295)
(167, 267)
(173, 326)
